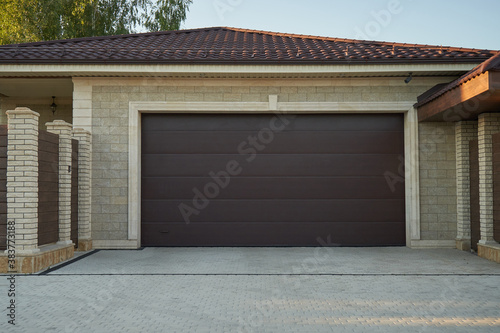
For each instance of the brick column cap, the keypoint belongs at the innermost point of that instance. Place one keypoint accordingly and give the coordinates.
(80, 131)
(22, 110)
(58, 123)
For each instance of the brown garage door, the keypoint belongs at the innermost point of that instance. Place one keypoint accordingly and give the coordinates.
(266, 180)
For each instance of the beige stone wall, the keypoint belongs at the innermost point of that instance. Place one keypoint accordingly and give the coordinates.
(110, 108)
(438, 198)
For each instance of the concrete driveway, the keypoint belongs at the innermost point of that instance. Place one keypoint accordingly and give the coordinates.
(261, 290)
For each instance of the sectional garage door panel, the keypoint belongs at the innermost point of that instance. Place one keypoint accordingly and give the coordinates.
(285, 165)
(273, 234)
(373, 211)
(270, 188)
(309, 142)
(313, 176)
(255, 123)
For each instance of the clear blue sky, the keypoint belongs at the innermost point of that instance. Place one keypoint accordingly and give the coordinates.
(462, 23)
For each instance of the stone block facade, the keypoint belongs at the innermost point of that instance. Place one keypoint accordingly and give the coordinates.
(109, 107)
(438, 199)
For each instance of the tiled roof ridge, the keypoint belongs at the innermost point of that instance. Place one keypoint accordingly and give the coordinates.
(270, 33)
(350, 40)
(492, 64)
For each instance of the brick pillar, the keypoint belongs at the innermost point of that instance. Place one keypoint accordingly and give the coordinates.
(22, 178)
(63, 129)
(84, 204)
(488, 124)
(464, 132)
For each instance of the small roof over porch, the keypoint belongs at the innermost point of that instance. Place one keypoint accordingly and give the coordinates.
(476, 92)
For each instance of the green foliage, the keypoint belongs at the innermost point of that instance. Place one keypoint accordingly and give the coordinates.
(166, 14)
(37, 20)
(83, 18)
(12, 20)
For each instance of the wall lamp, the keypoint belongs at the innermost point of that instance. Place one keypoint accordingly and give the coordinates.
(53, 106)
(409, 78)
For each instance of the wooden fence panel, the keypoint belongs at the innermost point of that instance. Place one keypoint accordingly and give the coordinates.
(48, 188)
(74, 192)
(496, 187)
(3, 187)
(475, 231)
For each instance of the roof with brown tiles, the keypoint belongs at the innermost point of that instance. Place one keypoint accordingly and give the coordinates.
(490, 65)
(230, 45)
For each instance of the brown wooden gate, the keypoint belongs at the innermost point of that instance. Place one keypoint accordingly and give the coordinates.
(475, 234)
(48, 188)
(3, 187)
(74, 192)
(496, 187)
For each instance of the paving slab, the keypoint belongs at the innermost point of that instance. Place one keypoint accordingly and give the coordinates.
(261, 290)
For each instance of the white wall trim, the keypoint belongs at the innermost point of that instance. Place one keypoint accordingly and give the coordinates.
(82, 104)
(350, 107)
(411, 144)
(82, 119)
(200, 107)
(115, 244)
(432, 244)
(412, 177)
(134, 172)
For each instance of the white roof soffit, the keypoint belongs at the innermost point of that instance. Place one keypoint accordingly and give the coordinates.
(230, 70)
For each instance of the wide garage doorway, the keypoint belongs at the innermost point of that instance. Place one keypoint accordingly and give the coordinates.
(272, 180)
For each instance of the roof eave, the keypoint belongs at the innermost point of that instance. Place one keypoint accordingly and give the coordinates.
(464, 102)
(252, 62)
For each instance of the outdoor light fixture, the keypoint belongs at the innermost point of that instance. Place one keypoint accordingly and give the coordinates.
(408, 79)
(53, 106)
